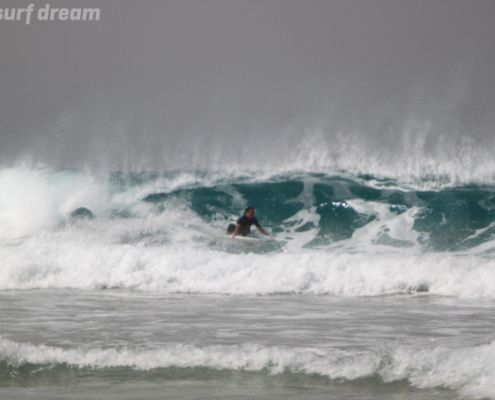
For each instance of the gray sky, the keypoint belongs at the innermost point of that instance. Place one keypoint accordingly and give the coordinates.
(168, 84)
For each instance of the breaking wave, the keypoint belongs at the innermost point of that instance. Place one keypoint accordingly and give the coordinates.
(335, 234)
(467, 370)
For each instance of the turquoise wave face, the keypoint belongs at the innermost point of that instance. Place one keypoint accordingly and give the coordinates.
(339, 209)
(305, 210)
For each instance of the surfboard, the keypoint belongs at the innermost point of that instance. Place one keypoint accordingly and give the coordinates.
(247, 239)
(242, 239)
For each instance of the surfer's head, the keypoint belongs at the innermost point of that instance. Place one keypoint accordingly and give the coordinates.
(249, 212)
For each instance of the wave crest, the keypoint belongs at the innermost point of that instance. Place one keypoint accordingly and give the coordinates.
(468, 369)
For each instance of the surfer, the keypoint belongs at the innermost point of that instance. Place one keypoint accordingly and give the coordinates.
(243, 226)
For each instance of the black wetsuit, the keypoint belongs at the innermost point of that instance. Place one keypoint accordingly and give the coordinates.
(246, 223)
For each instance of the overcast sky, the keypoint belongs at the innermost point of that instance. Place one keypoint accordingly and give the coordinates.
(164, 84)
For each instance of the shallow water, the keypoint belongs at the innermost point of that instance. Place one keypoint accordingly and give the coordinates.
(126, 343)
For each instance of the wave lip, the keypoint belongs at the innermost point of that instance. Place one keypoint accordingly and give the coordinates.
(469, 370)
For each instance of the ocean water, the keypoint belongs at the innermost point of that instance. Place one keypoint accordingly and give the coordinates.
(122, 285)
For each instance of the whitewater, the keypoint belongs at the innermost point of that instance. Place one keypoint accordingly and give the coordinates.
(122, 285)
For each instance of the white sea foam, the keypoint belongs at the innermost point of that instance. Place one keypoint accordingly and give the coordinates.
(69, 260)
(32, 200)
(470, 370)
